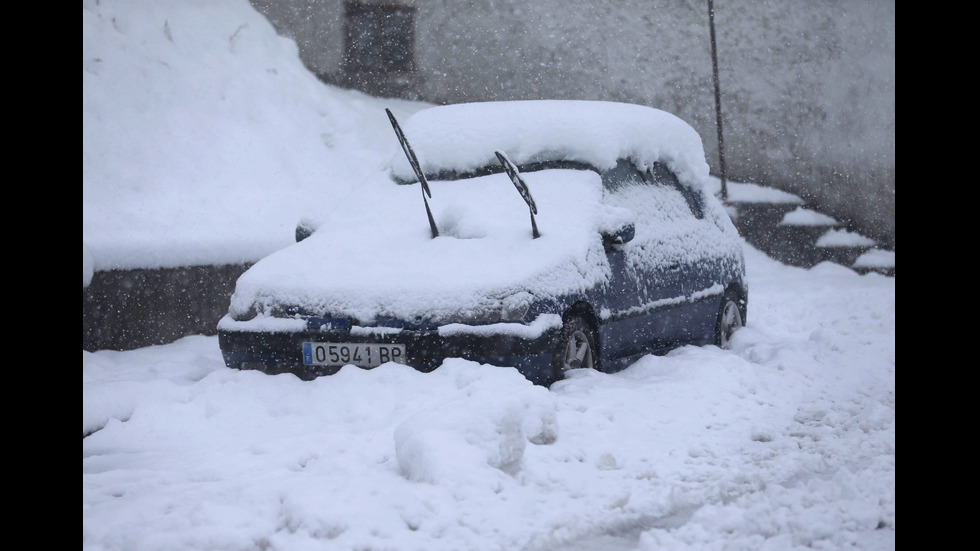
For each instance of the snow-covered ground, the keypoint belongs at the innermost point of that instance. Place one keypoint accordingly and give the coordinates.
(205, 140)
(787, 441)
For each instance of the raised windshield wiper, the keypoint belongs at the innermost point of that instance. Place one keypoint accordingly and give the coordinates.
(515, 177)
(415, 166)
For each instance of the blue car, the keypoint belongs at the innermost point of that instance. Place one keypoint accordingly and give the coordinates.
(544, 235)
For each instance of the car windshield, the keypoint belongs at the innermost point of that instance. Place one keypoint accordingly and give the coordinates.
(496, 168)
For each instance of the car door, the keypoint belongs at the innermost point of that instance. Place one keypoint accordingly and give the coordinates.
(686, 235)
(647, 279)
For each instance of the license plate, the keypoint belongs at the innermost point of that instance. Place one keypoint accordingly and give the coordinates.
(360, 354)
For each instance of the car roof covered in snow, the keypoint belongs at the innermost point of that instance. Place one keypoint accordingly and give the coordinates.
(461, 138)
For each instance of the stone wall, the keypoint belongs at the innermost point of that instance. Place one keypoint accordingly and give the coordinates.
(129, 309)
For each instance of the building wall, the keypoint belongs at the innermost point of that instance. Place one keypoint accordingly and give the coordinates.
(807, 86)
(129, 309)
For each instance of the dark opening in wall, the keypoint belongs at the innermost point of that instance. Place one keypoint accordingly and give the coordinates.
(379, 47)
(379, 37)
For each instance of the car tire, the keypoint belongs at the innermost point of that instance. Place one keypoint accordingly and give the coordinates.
(576, 348)
(729, 320)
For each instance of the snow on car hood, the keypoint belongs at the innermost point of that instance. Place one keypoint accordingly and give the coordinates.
(462, 137)
(374, 256)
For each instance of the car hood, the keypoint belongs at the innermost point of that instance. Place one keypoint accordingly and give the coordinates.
(374, 257)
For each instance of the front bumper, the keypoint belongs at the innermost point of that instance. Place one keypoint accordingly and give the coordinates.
(276, 352)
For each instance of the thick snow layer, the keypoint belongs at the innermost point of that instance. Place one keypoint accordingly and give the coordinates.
(463, 137)
(205, 139)
(739, 192)
(801, 216)
(876, 258)
(785, 442)
(843, 238)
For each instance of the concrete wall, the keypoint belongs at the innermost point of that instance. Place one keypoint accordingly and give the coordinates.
(129, 309)
(808, 86)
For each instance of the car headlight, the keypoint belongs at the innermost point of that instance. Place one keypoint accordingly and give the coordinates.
(511, 308)
(246, 315)
(263, 308)
(238, 313)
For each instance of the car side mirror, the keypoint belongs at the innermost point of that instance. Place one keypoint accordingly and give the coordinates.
(624, 234)
(305, 228)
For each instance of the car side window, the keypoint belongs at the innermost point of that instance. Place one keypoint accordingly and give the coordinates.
(659, 174)
(622, 175)
(661, 210)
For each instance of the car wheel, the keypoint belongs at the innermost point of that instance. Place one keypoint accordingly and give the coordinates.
(729, 320)
(576, 348)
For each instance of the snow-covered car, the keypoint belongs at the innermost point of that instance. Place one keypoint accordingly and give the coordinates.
(550, 235)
